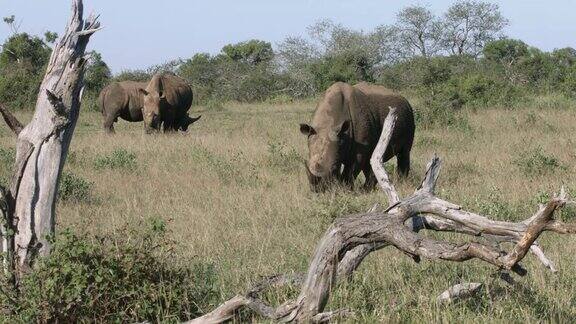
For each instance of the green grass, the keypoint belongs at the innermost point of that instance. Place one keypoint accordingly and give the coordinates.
(234, 194)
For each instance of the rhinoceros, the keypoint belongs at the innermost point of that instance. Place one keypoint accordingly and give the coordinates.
(345, 129)
(166, 97)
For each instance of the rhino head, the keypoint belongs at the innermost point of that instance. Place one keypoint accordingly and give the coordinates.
(154, 101)
(326, 146)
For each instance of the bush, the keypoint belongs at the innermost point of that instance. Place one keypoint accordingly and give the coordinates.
(283, 158)
(74, 188)
(536, 162)
(117, 159)
(22, 62)
(7, 157)
(480, 90)
(127, 277)
(349, 66)
(438, 111)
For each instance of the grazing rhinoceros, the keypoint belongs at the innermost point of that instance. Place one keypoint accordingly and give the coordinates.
(121, 99)
(166, 97)
(345, 130)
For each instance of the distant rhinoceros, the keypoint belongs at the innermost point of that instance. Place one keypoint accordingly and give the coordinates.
(345, 129)
(167, 99)
(127, 99)
(121, 99)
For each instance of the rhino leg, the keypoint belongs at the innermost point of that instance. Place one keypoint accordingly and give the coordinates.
(169, 123)
(109, 123)
(403, 160)
(371, 181)
(349, 174)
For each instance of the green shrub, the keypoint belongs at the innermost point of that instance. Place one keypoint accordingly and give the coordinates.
(437, 112)
(282, 158)
(536, 162)
(237, 170)
(23, 59)
(569, 85)
(480, 90)
(127, 277)
(74, 188)
(7, 157)
(117, 159)
(348, 66)
(495, 206)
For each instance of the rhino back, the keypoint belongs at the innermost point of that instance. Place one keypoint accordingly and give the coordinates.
(378, 99)
(178, 93)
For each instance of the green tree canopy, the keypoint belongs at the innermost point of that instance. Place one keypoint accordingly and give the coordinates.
(97, 73)
(252, 52)
(25, 49)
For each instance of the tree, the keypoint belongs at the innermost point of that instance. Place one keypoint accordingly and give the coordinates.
(11, 22)
(419, 31)
(28, 206)
(468, 25)
(201, 72)
(333, 53)
(50, 37)
(97, 74)
(505, 50)
(25, 49)
(252, 52)
(350, 67)
(22, 60)
(564, 57)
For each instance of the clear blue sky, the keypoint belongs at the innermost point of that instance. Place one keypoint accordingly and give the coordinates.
(138, 34)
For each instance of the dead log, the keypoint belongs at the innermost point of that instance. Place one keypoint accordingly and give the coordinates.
(458, 292)
(352, 238)
(42, 146)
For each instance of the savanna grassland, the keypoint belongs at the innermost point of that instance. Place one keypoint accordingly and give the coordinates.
(234, 194)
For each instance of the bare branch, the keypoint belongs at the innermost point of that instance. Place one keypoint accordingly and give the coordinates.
(432, 172)
(459, 291)
(537, 251)
(377, 163)
(13, 123)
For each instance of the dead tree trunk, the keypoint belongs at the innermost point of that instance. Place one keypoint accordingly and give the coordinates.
(350, 239)
(42, 146)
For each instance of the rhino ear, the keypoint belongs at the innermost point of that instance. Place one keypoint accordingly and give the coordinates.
(142, 91)
(307, 129)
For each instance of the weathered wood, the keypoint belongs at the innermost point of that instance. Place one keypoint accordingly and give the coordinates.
(376, 161)
(43, 144)
(350, 239)
(13, 123)
(458, 292)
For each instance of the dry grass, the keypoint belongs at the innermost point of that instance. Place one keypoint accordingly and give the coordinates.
(235, 194)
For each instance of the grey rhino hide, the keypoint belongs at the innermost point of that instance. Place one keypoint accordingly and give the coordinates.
(167, 99)
(345, 129)
(121, 99)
